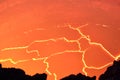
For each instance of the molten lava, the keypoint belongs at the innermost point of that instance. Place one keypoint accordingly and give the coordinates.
(59, 37)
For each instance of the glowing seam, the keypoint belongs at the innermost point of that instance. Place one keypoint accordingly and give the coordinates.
(58, 53)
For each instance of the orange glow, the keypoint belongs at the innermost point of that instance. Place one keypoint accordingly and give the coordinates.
(59, 37)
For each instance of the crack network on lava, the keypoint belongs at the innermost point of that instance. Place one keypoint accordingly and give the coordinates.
(58, 53)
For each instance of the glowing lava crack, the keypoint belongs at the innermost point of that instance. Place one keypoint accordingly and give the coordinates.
(58, 53)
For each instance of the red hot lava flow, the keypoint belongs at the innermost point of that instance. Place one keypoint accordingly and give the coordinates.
(59, 37)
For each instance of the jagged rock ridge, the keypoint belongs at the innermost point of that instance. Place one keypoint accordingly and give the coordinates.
(112, 73)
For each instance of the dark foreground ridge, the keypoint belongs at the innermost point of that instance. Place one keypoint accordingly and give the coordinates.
(112, 73)
(79, 77)
(18, 74)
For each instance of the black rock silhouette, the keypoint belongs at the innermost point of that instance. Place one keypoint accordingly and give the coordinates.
(18, 74)
(112, 72)
(78, 77)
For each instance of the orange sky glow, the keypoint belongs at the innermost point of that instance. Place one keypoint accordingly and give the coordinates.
(59, 37)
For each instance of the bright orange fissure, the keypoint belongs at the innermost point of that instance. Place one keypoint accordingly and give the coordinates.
(56, 48)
